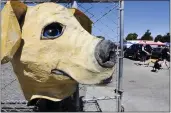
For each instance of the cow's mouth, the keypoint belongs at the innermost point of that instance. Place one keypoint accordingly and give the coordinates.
(106, 81)
(61, 72)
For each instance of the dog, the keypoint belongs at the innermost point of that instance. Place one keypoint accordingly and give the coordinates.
(52, 50)
(156, 66)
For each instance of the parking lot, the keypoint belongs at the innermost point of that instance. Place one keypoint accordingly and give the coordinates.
(143, 90)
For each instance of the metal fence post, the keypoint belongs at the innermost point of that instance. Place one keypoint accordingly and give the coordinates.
(121, 31)
(77, 98)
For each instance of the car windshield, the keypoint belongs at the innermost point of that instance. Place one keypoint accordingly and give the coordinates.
(157, 49)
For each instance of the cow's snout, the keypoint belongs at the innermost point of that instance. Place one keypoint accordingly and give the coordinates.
(105, 53)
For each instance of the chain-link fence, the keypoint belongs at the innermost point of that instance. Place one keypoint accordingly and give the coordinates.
(106, 19)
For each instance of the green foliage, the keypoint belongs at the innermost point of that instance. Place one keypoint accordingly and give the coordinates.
(165, 38)
(147, 36)
(132, 36)
(158, 38)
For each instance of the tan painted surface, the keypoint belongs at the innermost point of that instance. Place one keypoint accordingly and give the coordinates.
(72, 52)
(11, 32)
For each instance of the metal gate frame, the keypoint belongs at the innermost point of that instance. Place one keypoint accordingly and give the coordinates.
(121, 35)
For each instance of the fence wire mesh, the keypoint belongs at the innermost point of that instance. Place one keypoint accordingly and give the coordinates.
(105, 17)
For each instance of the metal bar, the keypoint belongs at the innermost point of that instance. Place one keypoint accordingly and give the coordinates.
(117, 73)
(98, 106)
(77, 98)
(120, 78)
(117, 53)
(66, 1)
(109, 98)
(13, 102)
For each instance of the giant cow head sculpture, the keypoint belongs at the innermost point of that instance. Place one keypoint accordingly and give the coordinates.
(51, 51)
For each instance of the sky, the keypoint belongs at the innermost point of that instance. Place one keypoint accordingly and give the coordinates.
(138, 17)
(142, 15)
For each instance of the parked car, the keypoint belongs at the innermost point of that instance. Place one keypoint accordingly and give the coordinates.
(156, 52)
(168, 55)
(126, 45)
(135, 50)
(168, 58)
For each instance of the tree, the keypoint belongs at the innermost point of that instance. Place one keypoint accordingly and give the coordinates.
(158, 38)
(166, 38)
(147, 36)
(132, 36)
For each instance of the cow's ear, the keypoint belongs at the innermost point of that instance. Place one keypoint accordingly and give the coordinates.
(83, 19)
(12, 16)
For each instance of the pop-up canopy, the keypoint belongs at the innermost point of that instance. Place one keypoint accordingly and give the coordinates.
(151, 42)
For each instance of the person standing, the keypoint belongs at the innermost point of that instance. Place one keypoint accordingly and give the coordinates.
(165, 54)
(144, 54)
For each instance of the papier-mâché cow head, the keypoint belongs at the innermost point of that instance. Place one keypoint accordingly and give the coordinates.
(51, 51)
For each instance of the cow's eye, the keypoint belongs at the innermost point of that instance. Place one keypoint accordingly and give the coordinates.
(52, 31)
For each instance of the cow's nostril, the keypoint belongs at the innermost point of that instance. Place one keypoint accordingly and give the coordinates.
(105, 53)
(109, 57)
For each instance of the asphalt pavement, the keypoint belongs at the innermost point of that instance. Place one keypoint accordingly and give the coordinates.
(145, 90)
